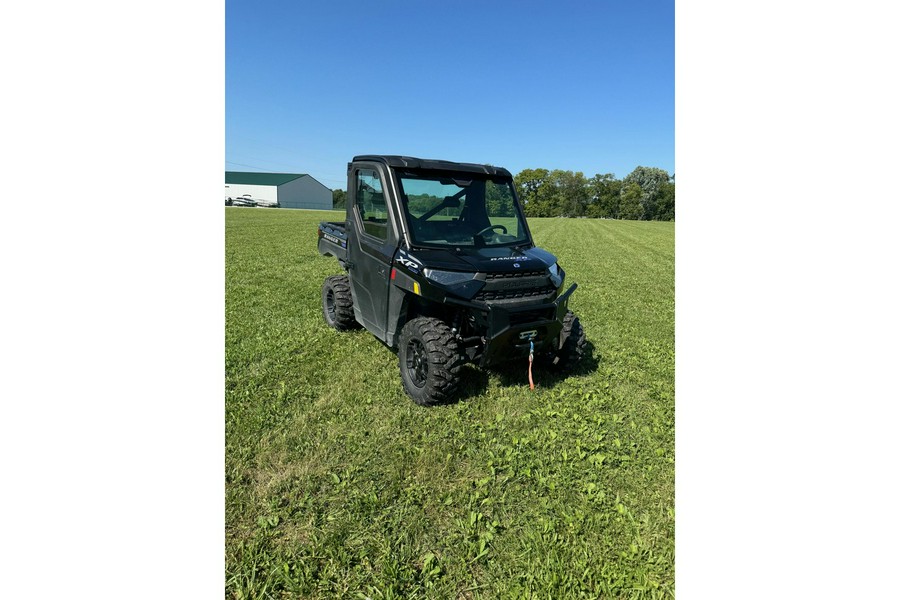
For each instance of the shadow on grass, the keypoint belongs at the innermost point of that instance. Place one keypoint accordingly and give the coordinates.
(474, 380)
(544, 375)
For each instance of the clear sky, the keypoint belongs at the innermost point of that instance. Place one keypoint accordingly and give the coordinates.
(581, 86)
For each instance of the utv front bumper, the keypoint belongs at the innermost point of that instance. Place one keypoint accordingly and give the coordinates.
(512, 329)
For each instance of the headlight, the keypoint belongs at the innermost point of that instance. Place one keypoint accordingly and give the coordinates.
(557, 275)
(448, 277)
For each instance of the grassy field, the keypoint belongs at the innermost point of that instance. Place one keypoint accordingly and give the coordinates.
(338, 486)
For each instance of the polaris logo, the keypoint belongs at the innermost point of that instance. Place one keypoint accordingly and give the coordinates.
(528, 335)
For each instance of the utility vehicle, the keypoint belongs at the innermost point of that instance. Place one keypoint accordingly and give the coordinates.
(441, 267)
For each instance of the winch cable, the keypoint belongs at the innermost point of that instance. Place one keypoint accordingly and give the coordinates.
(530, 360)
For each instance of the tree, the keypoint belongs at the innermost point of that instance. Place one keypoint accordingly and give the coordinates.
(572, 193)
(339, 199)
(665, 204)
(532, 187)
(650, 179)
(630, 201)
(604, 193)
(646, 193)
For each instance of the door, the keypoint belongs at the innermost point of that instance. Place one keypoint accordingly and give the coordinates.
(372, 245)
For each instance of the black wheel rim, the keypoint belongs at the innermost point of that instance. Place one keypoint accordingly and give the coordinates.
(329, 306)
(417, 362)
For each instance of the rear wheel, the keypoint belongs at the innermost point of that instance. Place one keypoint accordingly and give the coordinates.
(430, 361)
(571, 345)
(337, 303)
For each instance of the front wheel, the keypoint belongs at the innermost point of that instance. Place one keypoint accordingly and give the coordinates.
(430, 361)
(572, 344)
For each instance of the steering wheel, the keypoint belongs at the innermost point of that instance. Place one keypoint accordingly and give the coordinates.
(491, 228)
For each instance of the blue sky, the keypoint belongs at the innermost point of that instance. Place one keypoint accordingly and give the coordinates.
(582, 86)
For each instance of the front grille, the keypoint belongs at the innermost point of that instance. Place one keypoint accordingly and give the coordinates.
(512, 295)
(515, 275)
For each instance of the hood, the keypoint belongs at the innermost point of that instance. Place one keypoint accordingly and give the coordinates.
(485, 260)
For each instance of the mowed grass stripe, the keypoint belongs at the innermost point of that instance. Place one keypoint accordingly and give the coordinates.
(626, 299)
(338, 486)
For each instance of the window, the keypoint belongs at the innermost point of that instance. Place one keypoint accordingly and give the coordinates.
(370, 203)
(460, 209)
(501, 210)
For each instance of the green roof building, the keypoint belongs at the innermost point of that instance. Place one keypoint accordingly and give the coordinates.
(287, 190)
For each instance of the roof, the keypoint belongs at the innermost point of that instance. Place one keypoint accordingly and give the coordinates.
(411, 162)
(261, 178)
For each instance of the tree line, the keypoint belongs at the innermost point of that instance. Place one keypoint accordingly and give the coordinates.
(645, 194)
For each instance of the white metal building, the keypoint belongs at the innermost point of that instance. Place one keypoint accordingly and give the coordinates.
(289, 190)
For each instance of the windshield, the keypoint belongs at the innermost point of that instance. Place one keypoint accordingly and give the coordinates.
(460, 209)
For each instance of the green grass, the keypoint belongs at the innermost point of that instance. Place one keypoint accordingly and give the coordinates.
(338, 486)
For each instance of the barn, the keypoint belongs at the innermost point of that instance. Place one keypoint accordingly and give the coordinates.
(289, 190)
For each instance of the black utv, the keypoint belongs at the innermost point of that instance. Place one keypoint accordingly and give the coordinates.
(441, 267)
